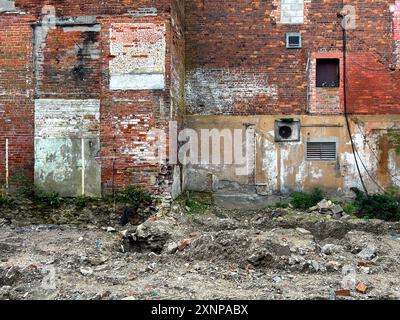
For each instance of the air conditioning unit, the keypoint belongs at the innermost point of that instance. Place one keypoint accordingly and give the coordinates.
(293, 40)
(287, 130)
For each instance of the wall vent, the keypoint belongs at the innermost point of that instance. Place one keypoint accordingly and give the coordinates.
(321, 151)
(293, 40)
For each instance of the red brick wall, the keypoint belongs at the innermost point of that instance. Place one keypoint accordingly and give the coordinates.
(16, 90)
(242, 44)
(68, 69)
(70, 8)
(126, 115)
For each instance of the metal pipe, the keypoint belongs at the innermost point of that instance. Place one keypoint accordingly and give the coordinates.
(83, 166)
(7, 169)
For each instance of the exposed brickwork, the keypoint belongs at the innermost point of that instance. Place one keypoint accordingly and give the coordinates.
(67, 62)
(325, 100)
(16, 91)
(72, 61)
(247, 40)
(220, 57)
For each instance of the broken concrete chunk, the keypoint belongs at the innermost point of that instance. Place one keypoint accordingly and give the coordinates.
(337, 216)
(303, 231)
(316, 266)
(86, 271)
(324, 204)
(260, 259)
(170, 248)
(332, 266)
(330, 248)
(368, 253)
(336, 209)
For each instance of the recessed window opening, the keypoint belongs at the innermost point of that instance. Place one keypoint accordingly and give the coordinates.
(327, 73)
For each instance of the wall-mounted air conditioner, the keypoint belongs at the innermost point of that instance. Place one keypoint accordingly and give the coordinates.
(287, 130)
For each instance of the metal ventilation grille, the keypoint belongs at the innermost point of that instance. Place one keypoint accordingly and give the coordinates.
(293, 40)
(321, 150)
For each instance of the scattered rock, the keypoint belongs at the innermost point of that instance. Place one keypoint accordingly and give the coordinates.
(316, 266)
(170, 248)
(324, 205)
(336, 209)
(332, 266)
(277, 279)
(96, 261)
(303, 231)
(366, 270)
(349, 279)
(86, 271)
(124, 233)
(368, 253)
(260, 259)
(337, 216)
(330, 248)
(150, 236)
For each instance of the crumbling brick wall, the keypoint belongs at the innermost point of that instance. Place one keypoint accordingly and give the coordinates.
(73, 60)
(235, 45)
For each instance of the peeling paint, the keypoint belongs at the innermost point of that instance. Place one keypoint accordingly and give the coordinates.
(138, 51)
(216, 91)
(67, 137)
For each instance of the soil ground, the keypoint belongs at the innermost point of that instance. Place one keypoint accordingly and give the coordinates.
(220, 254)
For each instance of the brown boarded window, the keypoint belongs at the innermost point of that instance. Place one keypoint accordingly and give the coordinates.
(327, 73)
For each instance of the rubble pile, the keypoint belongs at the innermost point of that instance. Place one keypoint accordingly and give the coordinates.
(329, 208)
(219, 255)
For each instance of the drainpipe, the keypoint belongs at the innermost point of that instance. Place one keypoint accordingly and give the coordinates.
(83, 166)
(7, 170)
(353, 147)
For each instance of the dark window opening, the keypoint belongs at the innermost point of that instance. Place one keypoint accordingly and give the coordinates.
(328, 74)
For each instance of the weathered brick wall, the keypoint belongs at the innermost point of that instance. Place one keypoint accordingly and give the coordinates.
(235, 45)
(72, 8)
(16, 91)
(127, 117)
(67, 61)
(74, 61)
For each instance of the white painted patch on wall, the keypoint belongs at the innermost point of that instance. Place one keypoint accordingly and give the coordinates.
(138, 51)
(270, 165)
(72, 118)
(215, 91)
(67, 142)
(394, 169)
(7, 6)
(137, 82)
